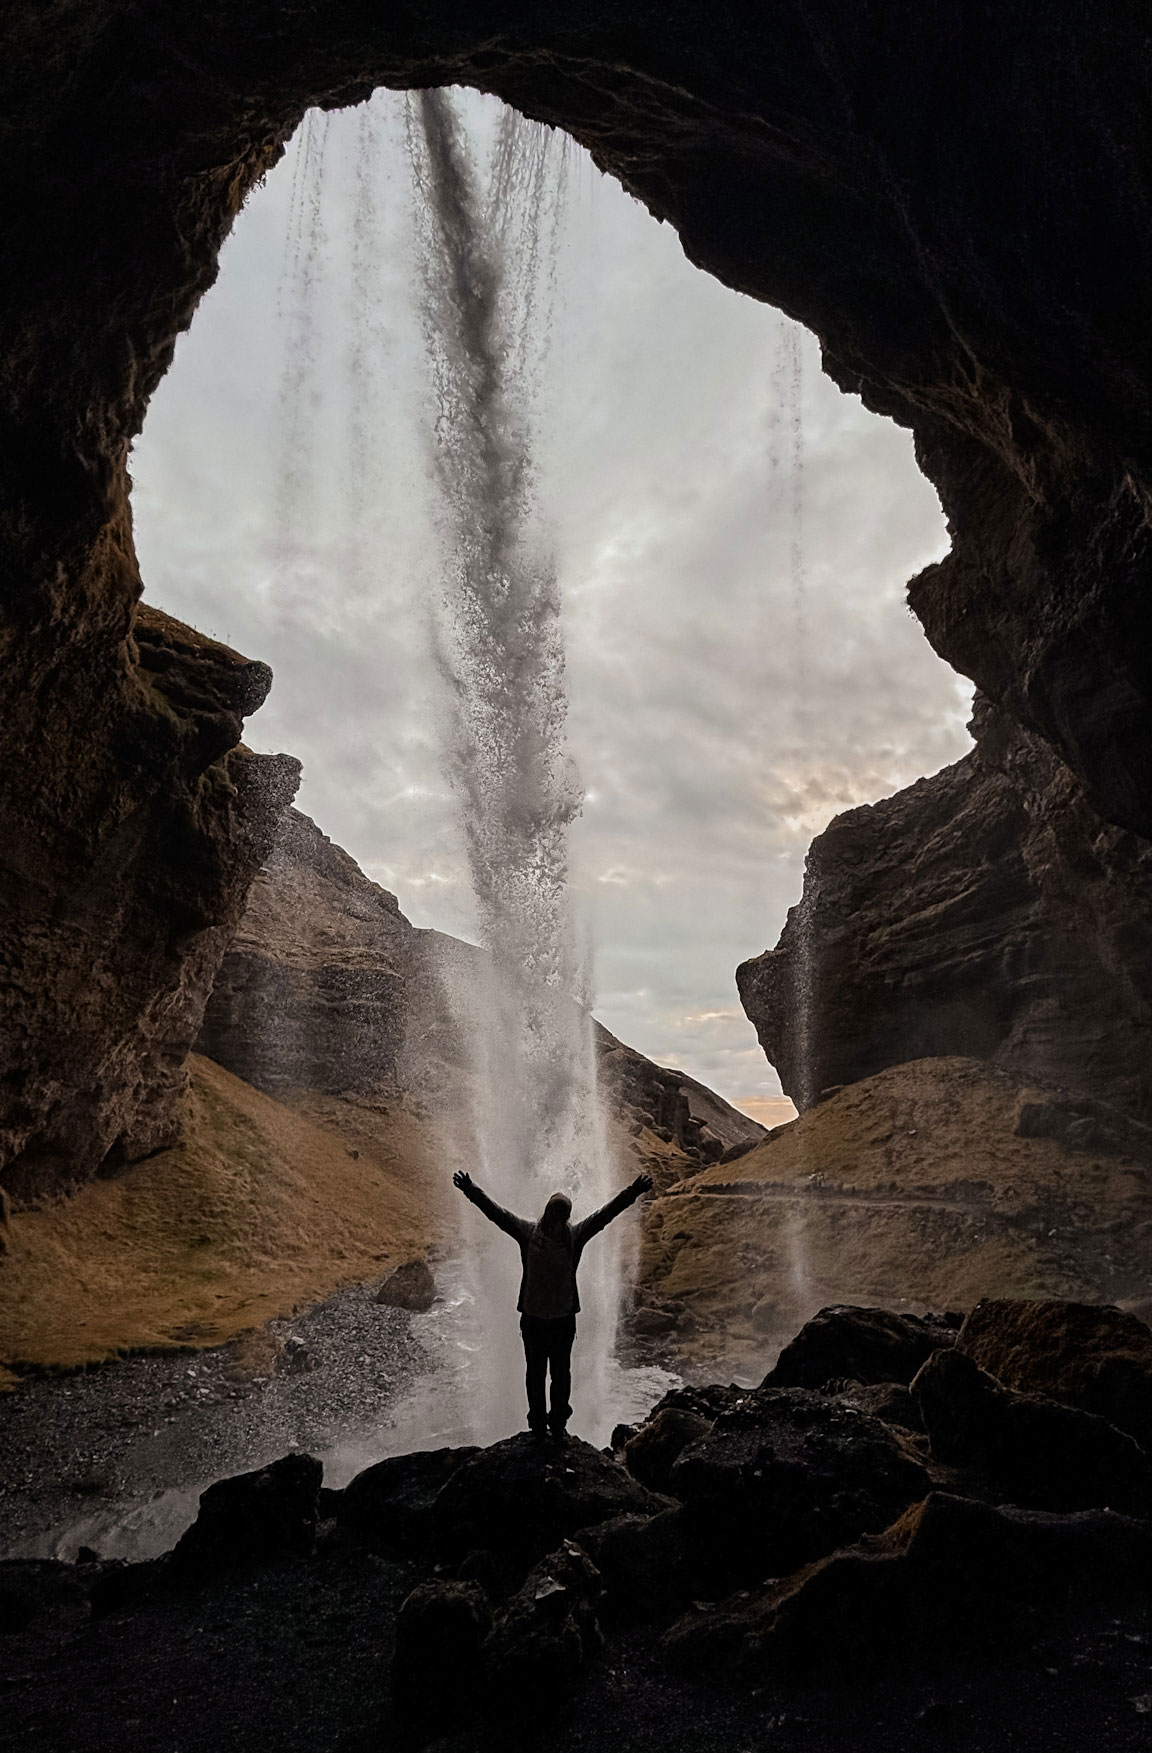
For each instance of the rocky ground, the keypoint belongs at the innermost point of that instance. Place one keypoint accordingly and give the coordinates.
(895, 1542)
(115, 1457)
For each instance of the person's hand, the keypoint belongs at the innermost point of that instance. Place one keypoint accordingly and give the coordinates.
(463, 1181)
(642, 1184)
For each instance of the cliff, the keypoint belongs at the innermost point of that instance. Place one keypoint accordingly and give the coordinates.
(110, 934)
(985, 912)
(328, 995)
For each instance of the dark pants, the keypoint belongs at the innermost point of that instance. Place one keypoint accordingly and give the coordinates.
(548, 1348)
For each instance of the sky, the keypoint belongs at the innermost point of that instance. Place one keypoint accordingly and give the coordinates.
(734, 538)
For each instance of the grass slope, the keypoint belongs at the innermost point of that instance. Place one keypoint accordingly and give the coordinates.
(259, 1211)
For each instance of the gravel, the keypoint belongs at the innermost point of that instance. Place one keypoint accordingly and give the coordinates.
(115, 1457)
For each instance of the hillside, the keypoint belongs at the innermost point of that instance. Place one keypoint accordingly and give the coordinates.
(258, 1211)
(925, 1187)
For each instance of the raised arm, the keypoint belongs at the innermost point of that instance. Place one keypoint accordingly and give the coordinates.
(599, 1220)
(514, 1226)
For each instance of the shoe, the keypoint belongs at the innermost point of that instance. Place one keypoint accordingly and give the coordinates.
(539, 1437)
(560, 1438)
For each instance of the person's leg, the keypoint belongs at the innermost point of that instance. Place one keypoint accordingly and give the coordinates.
(535, 1337)
(560, 1365)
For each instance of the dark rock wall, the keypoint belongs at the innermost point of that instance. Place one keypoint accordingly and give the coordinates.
(954, 197)
(984, 912)
(110, 939)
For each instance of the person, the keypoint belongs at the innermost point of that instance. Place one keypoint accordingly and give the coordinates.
(550, 1251)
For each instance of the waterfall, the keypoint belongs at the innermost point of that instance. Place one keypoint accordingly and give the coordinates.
(486, 262)
(299, 309)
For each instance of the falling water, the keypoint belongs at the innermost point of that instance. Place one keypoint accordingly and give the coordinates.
(486, 265)
(300, 297)
(786, 460)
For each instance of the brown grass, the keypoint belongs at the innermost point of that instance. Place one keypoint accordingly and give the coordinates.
(911, 1190)
(260, 1211)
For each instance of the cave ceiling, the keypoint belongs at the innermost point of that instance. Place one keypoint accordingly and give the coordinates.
(953, 197)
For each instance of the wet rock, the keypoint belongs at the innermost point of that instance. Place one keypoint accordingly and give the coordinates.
(388, 1507)
(1095, 1357)
(706, 1400)
(522, 1499)
(1035, 1452)
(644, 1564)
(861, 1345)
(545, 1638)
(651, 1453)
(786, 1476)
(890, 1402)
(410, 1286)
(651, 1323)
(436, 1663)
(952, 1577)
(268, 1514)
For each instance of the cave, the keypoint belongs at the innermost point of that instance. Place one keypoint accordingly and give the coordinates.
(954, 200)
(951, 202)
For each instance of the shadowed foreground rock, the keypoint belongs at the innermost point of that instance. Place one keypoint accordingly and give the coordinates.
(812, 1559)
(861, 1345)
(1099, 1359)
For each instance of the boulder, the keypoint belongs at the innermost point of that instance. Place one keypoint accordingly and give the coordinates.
(410, 1286)
(644, 1564)
(520, 1499)
(650, 1455)
(1095, 1357)
(271, 1513)
(862, 1345)
(436, 1659)
(952, 1577)
(890, 1402)
(783, 1478)
(544, 1639)
(388, 1507)
(1030, 1451)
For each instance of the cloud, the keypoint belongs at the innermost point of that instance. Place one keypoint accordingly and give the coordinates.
(725, 700)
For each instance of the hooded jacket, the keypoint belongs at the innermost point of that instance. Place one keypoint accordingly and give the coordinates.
(548, 1277)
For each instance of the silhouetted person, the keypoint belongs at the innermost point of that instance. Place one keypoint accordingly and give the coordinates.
(550, 1252)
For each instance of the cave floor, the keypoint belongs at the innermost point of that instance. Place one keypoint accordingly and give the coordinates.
(293, 1658)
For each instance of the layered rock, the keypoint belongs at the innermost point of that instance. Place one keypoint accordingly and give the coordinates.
(985, 912)
(313, 992)
(117, 912)
(327, 989)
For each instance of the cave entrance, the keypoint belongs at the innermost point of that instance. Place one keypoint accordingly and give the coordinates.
(734, 537)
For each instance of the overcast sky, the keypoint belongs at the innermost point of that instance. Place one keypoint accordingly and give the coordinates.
(734, 556)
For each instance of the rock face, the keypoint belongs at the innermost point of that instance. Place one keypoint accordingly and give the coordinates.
(985, 912)
(120, 901)
(328, 989)
(312, 992)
